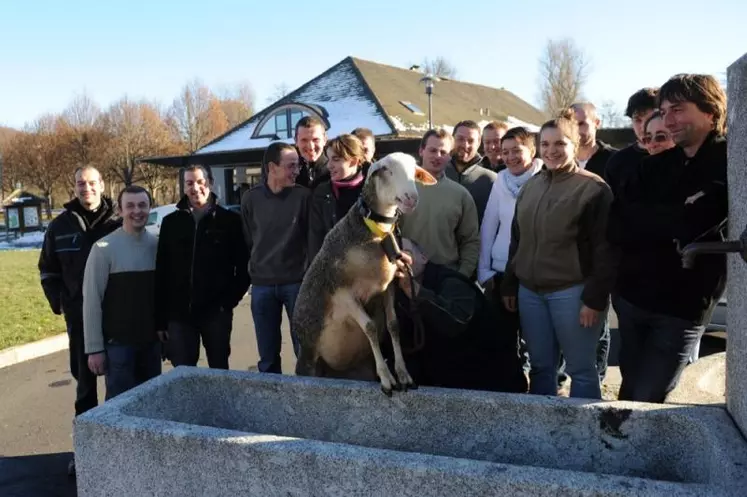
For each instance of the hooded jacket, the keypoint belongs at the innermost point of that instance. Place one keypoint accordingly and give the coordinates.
(200, 267)
(67, 244)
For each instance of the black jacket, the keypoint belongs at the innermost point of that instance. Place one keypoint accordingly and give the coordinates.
(67, 243)
(202, 267)
(622, 165)
(465, 345)
(497, 168)
(311, 174)
(672, 199)
(597, 163)
(326, 210)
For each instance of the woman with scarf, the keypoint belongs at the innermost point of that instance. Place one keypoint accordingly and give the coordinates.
(333, 198)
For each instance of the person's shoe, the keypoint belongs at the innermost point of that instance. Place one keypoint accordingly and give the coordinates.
(71, 467)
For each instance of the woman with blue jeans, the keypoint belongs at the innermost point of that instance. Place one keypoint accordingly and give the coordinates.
(561, 268)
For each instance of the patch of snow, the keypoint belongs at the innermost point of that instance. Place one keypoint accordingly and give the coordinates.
(401, 125)
(28, 241)
(340, 93)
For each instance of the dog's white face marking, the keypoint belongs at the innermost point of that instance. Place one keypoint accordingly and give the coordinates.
(396, 175)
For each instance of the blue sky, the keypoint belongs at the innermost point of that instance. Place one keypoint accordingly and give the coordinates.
(50, 50)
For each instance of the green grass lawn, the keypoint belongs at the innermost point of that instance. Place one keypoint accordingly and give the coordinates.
(24, 313)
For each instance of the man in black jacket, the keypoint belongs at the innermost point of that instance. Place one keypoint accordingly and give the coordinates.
(201, 274)
(677, 197)
(311, 138)
(67, 243)
(592, 153)
(461, 346)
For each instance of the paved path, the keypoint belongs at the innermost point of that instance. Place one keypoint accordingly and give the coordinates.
(36, 409)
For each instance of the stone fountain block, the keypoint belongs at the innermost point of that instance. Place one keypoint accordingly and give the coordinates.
(200, 432)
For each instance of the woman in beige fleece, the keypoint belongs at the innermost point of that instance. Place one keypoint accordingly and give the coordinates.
(561, 268)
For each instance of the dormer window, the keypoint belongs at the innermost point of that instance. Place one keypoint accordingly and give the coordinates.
(281, 123)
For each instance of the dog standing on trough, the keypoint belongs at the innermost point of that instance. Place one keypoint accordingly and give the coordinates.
(346, 297)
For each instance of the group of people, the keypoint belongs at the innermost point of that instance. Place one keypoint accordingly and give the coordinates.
(517, 254)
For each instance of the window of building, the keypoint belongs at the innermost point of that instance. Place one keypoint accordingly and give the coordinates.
(282, 123)
(412, 108)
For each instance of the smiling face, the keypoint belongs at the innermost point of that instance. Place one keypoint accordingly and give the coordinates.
(197, 187)
(310, 142)
(285, 172)
(656, 137)
(518, 157)
(339, 167)
(466, 143)
(88, 188)
(491, 144)
(134, 209)
(639, 119)
(556, 149)
(435, 155)
(687, 124)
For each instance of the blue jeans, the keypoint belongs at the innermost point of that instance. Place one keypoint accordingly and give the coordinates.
(127, 366)
(551, 325)
(267, 311)
(654, 350)
(603, 351)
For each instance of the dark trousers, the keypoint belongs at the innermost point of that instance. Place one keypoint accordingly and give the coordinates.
(654, 350)
(183, 347)
(128, 366)
(267, 311)
(86, 396)
(509, 320)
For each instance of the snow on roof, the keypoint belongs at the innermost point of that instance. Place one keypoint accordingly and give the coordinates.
(339, 92)
(512, 122)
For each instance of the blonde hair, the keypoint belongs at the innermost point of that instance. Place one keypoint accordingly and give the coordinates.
(349, 147)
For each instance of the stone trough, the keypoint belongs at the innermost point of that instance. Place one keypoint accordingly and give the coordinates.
(197, 432)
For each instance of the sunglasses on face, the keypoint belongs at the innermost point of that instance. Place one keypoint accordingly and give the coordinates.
(658, 138)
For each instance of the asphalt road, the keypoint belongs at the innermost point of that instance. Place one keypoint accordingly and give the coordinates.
(36, 410)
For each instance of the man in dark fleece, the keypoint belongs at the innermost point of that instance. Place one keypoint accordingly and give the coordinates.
(675, 198)
(641, 105)
(592, 153)
(465, 167)
(461, 347)
(62, 262)
(275, 220)
(311, 138)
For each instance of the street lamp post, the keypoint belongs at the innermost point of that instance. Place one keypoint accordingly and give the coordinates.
(429, 81)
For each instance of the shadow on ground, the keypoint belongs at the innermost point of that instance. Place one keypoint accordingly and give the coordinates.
(42, 475)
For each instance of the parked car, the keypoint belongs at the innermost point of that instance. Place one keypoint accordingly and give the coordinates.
(155, 218)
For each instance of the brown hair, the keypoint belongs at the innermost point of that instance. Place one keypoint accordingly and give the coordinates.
(567, 125)
(273, 154)
(206, 172)
(348, 147)
(495, 126)
(439, 133)
(362, 133)
(641, 101)
(467, 124)
(134, 189)
(523, 136)
(701, 89)
(309, 122)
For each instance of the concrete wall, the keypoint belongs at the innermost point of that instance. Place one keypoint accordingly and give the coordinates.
(225, 433)
(736, 347)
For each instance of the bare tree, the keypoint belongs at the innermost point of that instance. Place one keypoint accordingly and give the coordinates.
(611, 116)
(440, 67)
(197, 116)
(280, 91)
(237, 103)
(564, 70)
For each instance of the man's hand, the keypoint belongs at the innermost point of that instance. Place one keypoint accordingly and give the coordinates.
(401, 263)
(588, 317)
(509, 303)
(97, 363)
(489, 285)
(163, 336)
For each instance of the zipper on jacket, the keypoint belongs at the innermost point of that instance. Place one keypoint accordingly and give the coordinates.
(534, 227)
(192, 267)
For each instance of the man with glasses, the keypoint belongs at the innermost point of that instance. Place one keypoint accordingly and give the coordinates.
(275, 221)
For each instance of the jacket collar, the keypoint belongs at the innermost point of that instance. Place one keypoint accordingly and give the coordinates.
(103, 213)
(476, 160)
(184, 204)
